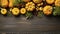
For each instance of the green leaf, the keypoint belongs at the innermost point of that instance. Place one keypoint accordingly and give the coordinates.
(40, 14)
(15, 2)
(29, 14)
(56, 11)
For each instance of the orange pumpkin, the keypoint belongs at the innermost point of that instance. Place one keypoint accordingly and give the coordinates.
(11, 3)
(37, 1)
(4, 3)
(47, 10)
(57, 3)
(50, 1)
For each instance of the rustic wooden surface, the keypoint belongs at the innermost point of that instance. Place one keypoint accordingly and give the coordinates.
(33, 26)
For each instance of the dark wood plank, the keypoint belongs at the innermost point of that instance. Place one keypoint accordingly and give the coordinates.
(21, 24)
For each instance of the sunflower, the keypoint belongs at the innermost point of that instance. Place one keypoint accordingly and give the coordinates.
(23, 11)
(30, 6)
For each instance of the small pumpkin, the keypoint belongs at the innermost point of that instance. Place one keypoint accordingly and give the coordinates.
(15, 11)
(30, 6)
(23, 11)
(3, 11)
(4, 3)
(37, 1)
(57, 3)
(47, 10)
(11, 3)
(50, 1)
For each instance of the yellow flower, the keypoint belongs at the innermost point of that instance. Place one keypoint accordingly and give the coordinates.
(10, 9)
(57, 3)
(50, 1)
(30, 6)
(3, 11)
(23, 11)
(40, 8)
(37, 8)
(37, 1)
(40, 4)
(47, 10)
(15, 11)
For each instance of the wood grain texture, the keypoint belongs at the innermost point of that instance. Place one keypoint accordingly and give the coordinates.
(35, 25)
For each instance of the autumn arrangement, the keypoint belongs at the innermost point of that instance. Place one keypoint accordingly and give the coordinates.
(30, 8)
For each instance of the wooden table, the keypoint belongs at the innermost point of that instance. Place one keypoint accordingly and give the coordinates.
(31, 26)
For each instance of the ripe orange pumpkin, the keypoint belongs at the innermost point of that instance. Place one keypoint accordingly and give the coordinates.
(50, 1)
(57, 3)
(4, 3)
(47, 10)
(11, 3)
(37, 1)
